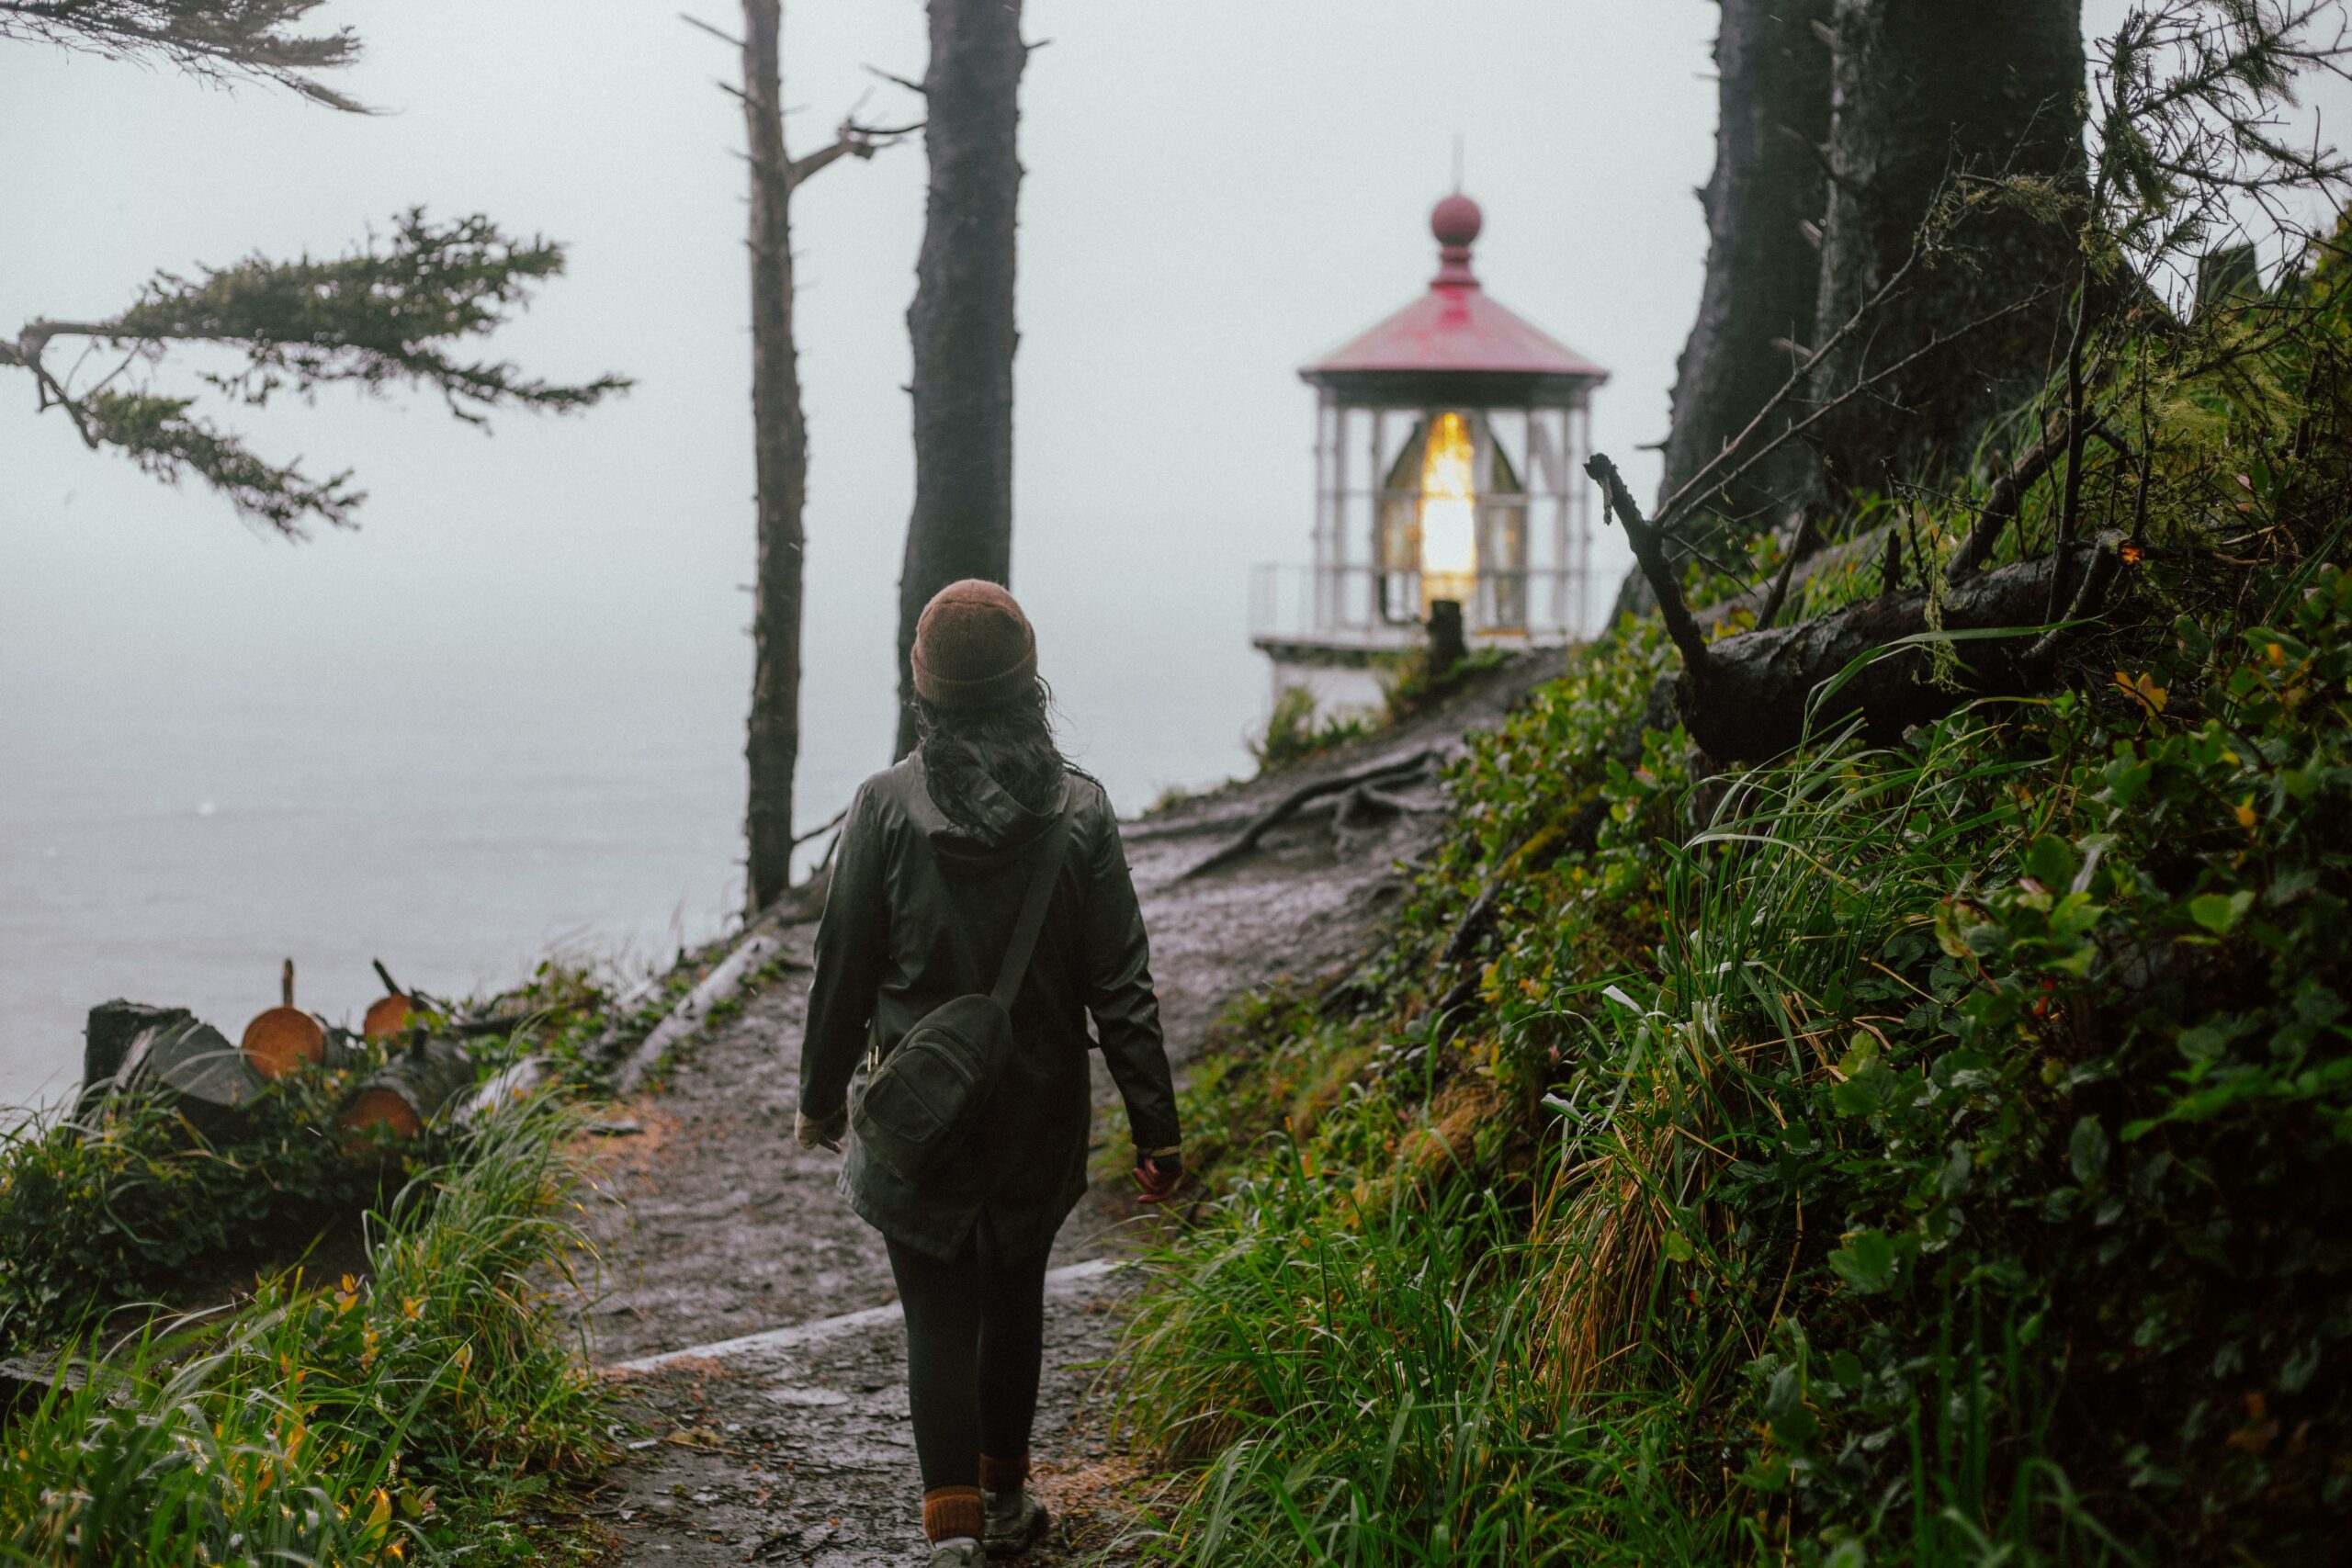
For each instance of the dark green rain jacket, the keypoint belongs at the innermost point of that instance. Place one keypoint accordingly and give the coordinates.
(919, 913)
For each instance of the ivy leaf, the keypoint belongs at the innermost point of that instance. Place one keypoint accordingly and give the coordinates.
(2087, 1150)
(2050, 862)
(2217, 913)
(1866, 1263)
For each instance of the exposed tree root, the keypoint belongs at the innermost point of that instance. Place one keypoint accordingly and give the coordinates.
(1389, 772)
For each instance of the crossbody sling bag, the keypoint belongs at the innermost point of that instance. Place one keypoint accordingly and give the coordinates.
(922, 1103)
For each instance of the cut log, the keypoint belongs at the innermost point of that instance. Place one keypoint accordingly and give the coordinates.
(409, 1090)
(389, 1016)
(168, 1053)
(1750, 700)
(285, 1037)
(107, 1038)
(282, 1039)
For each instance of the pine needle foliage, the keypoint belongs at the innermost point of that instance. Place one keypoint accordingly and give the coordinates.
(387, 314)
(383, 315)
(221, 39)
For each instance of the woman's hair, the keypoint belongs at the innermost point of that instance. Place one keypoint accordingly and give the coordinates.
(1011, 744)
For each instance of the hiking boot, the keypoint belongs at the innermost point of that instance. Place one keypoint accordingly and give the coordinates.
(956, 1552)
(1016, 1521)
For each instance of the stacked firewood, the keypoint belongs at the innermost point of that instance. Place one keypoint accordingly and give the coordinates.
(131, 1046)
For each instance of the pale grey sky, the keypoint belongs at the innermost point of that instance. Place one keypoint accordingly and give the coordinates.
(1215, 192)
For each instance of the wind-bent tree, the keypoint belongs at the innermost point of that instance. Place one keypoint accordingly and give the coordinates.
(779, 445)
(389, 313)
(392, 311)
(961, 321)
(221, 39)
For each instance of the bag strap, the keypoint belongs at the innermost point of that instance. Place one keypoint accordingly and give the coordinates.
(1032, 910)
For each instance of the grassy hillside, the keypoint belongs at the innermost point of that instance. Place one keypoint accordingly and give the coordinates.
(378, 1372)
(1937, 1151)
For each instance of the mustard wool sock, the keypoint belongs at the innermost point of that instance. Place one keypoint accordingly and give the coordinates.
(952, 1511)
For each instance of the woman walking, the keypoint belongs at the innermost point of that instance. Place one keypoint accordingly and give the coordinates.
(981, 912)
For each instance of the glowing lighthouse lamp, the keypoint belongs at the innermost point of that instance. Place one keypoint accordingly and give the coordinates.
(1449, 443)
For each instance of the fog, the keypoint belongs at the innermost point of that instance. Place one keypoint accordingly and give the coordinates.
(546, 625)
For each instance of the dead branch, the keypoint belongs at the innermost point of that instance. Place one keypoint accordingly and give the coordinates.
(1670, 514)
(1797, 552)
(1650, 553)
(1692, 487)
(722, 34)
(898, 81)
(2001, 506)
(1757, 696)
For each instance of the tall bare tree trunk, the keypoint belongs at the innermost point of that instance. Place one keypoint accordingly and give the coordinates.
(961, 321)
(1763, 266)
(1764, 203)
(1923, 90)
(780, 447)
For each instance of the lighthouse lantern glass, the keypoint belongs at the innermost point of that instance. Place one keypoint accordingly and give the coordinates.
(1449, 512)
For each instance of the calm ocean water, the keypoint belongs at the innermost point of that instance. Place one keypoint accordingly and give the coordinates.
(178, 856)
(173, 839)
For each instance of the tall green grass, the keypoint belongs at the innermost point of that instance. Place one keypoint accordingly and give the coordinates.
(1360, 1368)
(401, 1415)
(1955, 1174)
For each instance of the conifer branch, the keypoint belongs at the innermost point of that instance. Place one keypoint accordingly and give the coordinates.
(217, 39)
(383, 315)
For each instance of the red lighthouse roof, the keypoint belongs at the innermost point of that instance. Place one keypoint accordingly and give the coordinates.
(1455, 333)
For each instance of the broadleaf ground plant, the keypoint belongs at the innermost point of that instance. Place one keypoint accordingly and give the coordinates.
(1932, 1149)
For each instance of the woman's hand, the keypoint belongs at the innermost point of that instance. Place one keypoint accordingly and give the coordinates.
(1158, 1175)
(821, 1132)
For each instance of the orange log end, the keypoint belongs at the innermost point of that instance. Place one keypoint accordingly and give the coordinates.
(382, 1107)
(387, 1016)
(282, 1039)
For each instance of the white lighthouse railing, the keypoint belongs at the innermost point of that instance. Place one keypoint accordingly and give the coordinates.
(1374, 608)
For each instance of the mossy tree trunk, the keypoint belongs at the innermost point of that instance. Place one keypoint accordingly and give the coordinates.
(1764, 203)
(1930, 105)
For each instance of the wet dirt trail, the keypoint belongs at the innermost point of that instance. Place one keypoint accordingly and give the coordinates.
(748, 1317)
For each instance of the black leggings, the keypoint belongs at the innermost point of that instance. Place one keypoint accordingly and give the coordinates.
(976, 1340)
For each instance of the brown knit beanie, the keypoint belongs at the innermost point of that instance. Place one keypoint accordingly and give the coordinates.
(973, 648)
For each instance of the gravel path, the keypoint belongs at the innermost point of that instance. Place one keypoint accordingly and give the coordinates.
(715, 1226)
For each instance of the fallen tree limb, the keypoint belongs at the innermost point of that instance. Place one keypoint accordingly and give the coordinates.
(1378, 772)
(754, 948)
(1750, 699)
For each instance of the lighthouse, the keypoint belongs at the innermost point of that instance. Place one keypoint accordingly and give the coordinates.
(1449, 443)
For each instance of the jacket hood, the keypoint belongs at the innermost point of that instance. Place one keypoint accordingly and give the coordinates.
(1004, 827)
